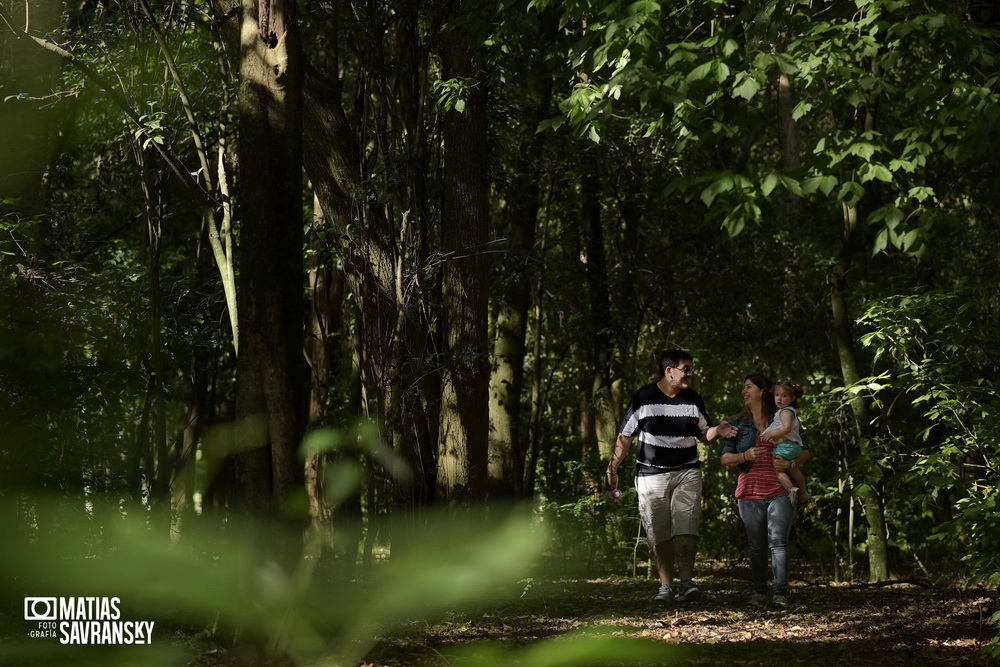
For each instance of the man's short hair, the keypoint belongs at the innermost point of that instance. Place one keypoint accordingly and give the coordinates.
(672, 359)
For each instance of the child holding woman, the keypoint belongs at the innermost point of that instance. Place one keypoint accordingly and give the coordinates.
(784, 432)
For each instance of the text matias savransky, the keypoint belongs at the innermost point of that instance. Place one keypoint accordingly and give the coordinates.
(85, 620)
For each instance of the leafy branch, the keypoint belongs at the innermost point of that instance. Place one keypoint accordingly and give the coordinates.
(120, 100)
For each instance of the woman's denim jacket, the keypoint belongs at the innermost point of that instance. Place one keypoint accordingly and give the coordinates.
(742, 441)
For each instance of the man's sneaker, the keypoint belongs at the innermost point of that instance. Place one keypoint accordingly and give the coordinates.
(793, 496)
(666, 594)
(780, 601)
(688, 591)
(758, 600)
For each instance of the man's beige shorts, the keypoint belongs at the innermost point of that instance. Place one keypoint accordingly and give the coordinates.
(670, 503)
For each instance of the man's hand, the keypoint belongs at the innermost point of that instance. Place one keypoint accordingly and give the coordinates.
(727, 430)
(611, 480)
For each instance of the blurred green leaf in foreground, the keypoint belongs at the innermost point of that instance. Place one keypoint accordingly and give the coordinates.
(223, 583)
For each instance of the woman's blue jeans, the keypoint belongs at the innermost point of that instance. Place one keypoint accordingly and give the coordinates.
(768, 523)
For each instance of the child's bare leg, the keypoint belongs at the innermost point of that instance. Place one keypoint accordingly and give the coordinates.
(786, 481)
(797, 479)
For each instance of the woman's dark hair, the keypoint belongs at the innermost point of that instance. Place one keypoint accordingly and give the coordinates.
(793, 388)
(671, 359)
(767, 398)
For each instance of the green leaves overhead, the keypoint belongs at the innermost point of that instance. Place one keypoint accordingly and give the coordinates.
(706, 81)
(746, 86)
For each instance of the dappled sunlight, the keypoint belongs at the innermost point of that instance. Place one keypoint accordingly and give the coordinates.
(825, 623)
(319, 322)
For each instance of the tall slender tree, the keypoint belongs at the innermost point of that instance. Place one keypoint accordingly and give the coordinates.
(463, 444)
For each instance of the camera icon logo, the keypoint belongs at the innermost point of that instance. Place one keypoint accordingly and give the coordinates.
(41, 609)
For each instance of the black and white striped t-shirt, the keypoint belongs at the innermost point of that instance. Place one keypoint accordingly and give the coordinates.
(668, 429)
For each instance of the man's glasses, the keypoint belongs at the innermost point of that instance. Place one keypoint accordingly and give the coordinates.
(683, 369)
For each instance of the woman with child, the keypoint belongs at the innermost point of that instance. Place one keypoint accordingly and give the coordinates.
(764, 501)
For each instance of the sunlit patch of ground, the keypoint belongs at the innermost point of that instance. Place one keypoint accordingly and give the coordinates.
(902, 624)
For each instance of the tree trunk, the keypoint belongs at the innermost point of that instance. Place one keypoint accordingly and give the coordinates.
(328, 355)
(791, 158)
(161, 472)
(791, 208)
(878, 548)
(506, 453)
(507, 448)
(326, 318)
(271, 381)
(393, 341)
(597, 411)
(537, 353)
(463, 441)
(182, 495)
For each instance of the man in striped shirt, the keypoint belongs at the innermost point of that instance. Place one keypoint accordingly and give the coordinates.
(669, 419)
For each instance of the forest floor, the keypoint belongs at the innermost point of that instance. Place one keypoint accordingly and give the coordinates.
(577, 621)
(825, 624)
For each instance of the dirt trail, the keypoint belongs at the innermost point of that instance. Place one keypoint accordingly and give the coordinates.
(825, 624)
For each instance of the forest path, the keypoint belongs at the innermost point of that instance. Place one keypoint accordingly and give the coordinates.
(825, 624)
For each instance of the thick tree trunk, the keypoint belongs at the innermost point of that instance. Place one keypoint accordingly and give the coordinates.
(271, 381)
(463, 441)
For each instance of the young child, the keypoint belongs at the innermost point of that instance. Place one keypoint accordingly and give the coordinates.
(784, 432)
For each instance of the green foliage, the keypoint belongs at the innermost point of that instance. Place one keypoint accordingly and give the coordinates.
(452, 93)
(664, 115)
(594, 534)
(577, 648)
(713, 84)
(938, 403)
(238, 580)
(455, 565)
